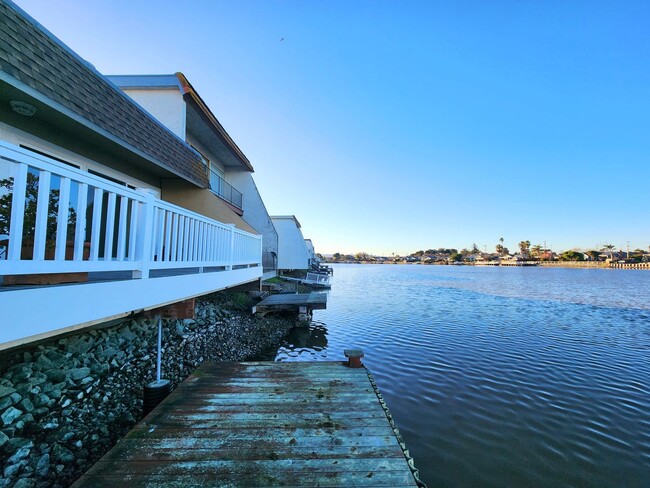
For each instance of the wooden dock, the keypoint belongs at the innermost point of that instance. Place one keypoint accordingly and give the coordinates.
(260, 425)
(303, 303)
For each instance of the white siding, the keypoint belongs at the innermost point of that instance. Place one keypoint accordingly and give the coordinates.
(255, 212)
(166, 105)
(292, 251)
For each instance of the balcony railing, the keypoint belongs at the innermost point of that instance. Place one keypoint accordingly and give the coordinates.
(58, 219)
(225, 190)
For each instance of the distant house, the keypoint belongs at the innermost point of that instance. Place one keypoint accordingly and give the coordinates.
(311, 251)
(97, 192)
(175, 103)
(293, 252)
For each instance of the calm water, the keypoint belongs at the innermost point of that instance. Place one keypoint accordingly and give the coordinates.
(501, 376)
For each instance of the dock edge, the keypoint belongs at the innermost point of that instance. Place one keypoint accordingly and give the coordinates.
(409, 459)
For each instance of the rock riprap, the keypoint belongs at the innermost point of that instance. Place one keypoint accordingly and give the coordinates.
(65, 403)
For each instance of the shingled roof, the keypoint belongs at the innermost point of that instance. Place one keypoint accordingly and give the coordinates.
(34, 57)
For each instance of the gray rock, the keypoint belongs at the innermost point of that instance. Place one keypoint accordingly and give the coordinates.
(80, 345)
(11, 470)
(43, 363)
(25, 483)
(6, 402)
(43, 465)
(16, 443)
(27, 405)
(56, 375)
(6, 391)
(10, 415)
(62, 454)
(77, 374)
(21, 374)
(21, 453)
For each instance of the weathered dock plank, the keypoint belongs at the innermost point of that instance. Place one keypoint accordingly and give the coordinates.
(292, 303)
(261, 424)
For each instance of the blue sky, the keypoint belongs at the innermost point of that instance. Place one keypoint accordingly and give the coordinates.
(397, 126)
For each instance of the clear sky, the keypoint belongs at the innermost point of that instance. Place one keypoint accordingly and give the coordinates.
(389, 127)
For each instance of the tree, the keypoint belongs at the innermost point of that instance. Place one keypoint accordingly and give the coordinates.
(336, 256)
(536, 250)
(455, 257)
(572, 256)
(524, 249)
(475, 249)
(610, 249)
(29, 222)
(593, 254)
(499, 247)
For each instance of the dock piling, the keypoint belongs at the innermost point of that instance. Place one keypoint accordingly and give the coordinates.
(354, 357)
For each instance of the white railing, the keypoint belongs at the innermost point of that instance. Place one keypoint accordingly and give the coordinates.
(57, 219)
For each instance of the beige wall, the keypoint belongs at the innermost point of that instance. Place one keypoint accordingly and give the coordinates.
(184, 194)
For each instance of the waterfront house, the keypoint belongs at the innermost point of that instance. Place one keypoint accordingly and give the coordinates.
(311, 251)
(97, 193)
(292, 250)
(173, 101)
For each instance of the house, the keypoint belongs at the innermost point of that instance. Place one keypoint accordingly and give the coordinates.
(311, 252)
(176, 104)
(95, 191)
(292, 250)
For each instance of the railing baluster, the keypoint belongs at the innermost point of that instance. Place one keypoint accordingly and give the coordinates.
(96, 224)
(168, 237)
(181, 238)
(160, 234)
(190, 246)
(202, 240)
(80, 227)
(110, 227)
(62, 220)
(17, 212)
(121, 232)
(42, 207)
(133, 231)
(154, 234)
(174, 246)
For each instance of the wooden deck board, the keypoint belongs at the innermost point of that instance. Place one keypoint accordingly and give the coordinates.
(261, 424)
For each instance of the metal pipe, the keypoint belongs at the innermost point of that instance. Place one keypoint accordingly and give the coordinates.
(158, 367)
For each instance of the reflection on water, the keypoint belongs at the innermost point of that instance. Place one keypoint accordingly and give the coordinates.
(305, 343)
(501, 376)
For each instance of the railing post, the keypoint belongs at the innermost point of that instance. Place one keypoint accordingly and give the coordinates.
(145, 235)
(231, 255)
(17, 212)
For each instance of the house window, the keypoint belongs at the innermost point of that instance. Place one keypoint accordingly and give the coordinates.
(216, 179)
(47, 155)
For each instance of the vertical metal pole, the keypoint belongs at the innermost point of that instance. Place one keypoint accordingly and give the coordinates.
(159, 347)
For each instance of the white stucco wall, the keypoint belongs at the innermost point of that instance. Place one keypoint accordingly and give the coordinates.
(165, 104)
(255, 212)
(292, 251)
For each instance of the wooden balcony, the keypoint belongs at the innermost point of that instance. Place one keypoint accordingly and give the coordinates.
(135, 251)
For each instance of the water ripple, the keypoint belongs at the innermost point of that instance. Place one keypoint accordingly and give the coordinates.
(501, 377)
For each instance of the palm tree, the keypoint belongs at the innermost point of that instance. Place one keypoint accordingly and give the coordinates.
(524, 248)
(536, 250)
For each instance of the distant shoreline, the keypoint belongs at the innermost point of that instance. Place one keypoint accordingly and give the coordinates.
(544, 264)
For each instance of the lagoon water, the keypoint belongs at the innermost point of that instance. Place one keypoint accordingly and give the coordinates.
(501, 376)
